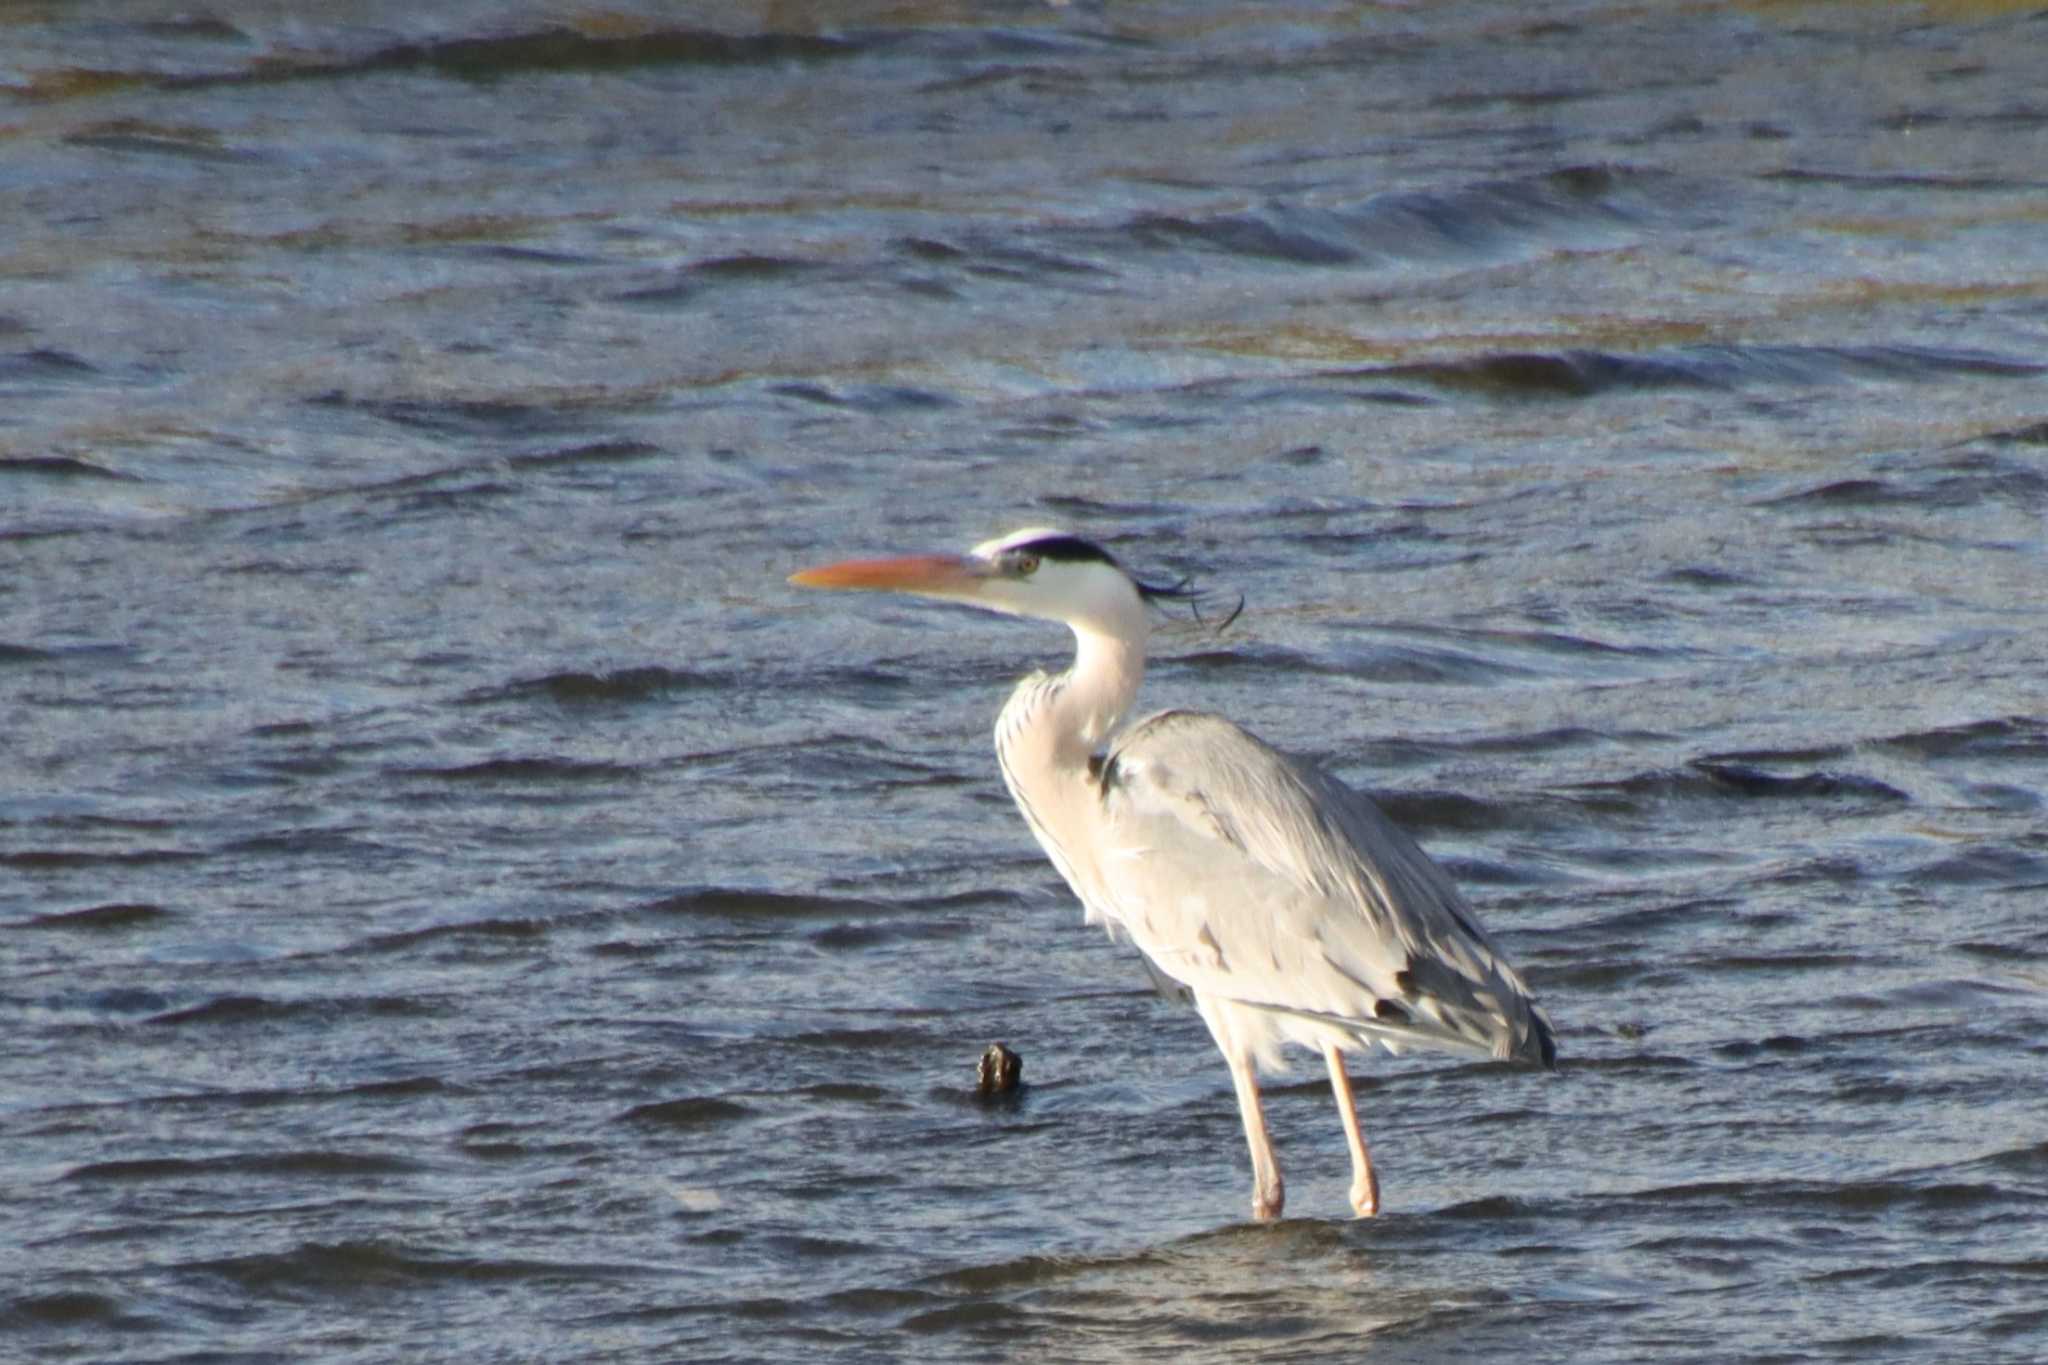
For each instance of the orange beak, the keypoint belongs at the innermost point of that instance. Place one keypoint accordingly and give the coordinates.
(931, 574)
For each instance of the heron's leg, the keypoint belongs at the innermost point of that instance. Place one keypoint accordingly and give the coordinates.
(1269, 1194)
(1365, 1183)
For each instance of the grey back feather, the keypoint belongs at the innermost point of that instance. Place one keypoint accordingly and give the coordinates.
(1250, 877)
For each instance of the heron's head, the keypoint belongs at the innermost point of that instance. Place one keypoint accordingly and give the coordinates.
(1038, 572)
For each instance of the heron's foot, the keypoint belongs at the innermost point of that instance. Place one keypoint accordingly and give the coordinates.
(1267, 1203)
(1365, 1195)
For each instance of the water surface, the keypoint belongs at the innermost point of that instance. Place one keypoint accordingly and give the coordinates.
(456, 902)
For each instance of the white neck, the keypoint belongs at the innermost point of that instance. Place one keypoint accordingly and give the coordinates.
(1050, 728)
(1096, 692)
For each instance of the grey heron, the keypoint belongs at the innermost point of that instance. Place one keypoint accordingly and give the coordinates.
(1288, 907)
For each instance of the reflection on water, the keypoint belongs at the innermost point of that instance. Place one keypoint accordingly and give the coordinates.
(439, 860)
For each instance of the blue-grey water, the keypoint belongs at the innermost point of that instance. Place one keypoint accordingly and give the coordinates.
(457, 903)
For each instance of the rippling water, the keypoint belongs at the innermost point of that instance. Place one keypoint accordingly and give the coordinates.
(456, 903)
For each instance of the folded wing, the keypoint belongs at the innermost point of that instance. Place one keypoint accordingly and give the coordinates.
(1246, 876)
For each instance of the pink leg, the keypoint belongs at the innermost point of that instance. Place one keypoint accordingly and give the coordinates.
(1365, 1184)
(1269, 1193)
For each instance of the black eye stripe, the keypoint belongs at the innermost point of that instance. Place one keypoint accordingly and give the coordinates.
(1065, 550)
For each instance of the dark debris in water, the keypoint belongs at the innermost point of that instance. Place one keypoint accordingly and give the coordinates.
(999, 1072)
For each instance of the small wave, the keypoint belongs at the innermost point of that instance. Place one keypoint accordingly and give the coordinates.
(1553, 740)
(1280, 232)
(805, 1247)
(470, 417)
(1085, 509)
(999, 260)
(1816, 753)
(2010, 737)
(48, 364)
(686, 285)
(229, 1009)
(403, 1087)
(1955, 484)
(238, 1009)
(2033, 435)
(65, 1308)
(63, 467)
(1250, 656)
(1985, 865)
(487, 59)
(1387, 663)
(2004, 953)
(693, 1112)
(1434, 811)
(845, 1092)
(1705, 576)
(1034, 1271)
(498, 927)
(1681, 916)
(1831, 868)
(868, 398)
(980, 1316)
(747, 903)
(1409, 753)
(1777, 1045)
(1571, 374)
(1828, 1198)
(1707, 780)
(1586, 373)
(872, 934)
(1756, 782)
(1402, 663)
(520, 770)
(1495, 1208)
(873, 1300)
(589, 453)
(1442, 810)
(138, 136)
(300, 841)
(119, 915)
(1487, 221)
(306, 1164)
(566, 49)
(1792, 961)
(579, 688)
(598, 49)
(2028, 1160)
(1852, 492)
(352, 1268)
(55, 859)
(859, 1039)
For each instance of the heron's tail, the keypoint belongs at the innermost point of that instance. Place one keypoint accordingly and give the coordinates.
(1540, 1047)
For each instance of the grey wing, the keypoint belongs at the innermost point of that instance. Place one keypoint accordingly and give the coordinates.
(1246, 876)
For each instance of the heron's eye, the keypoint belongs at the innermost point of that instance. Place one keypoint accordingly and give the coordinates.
(1026, 565)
